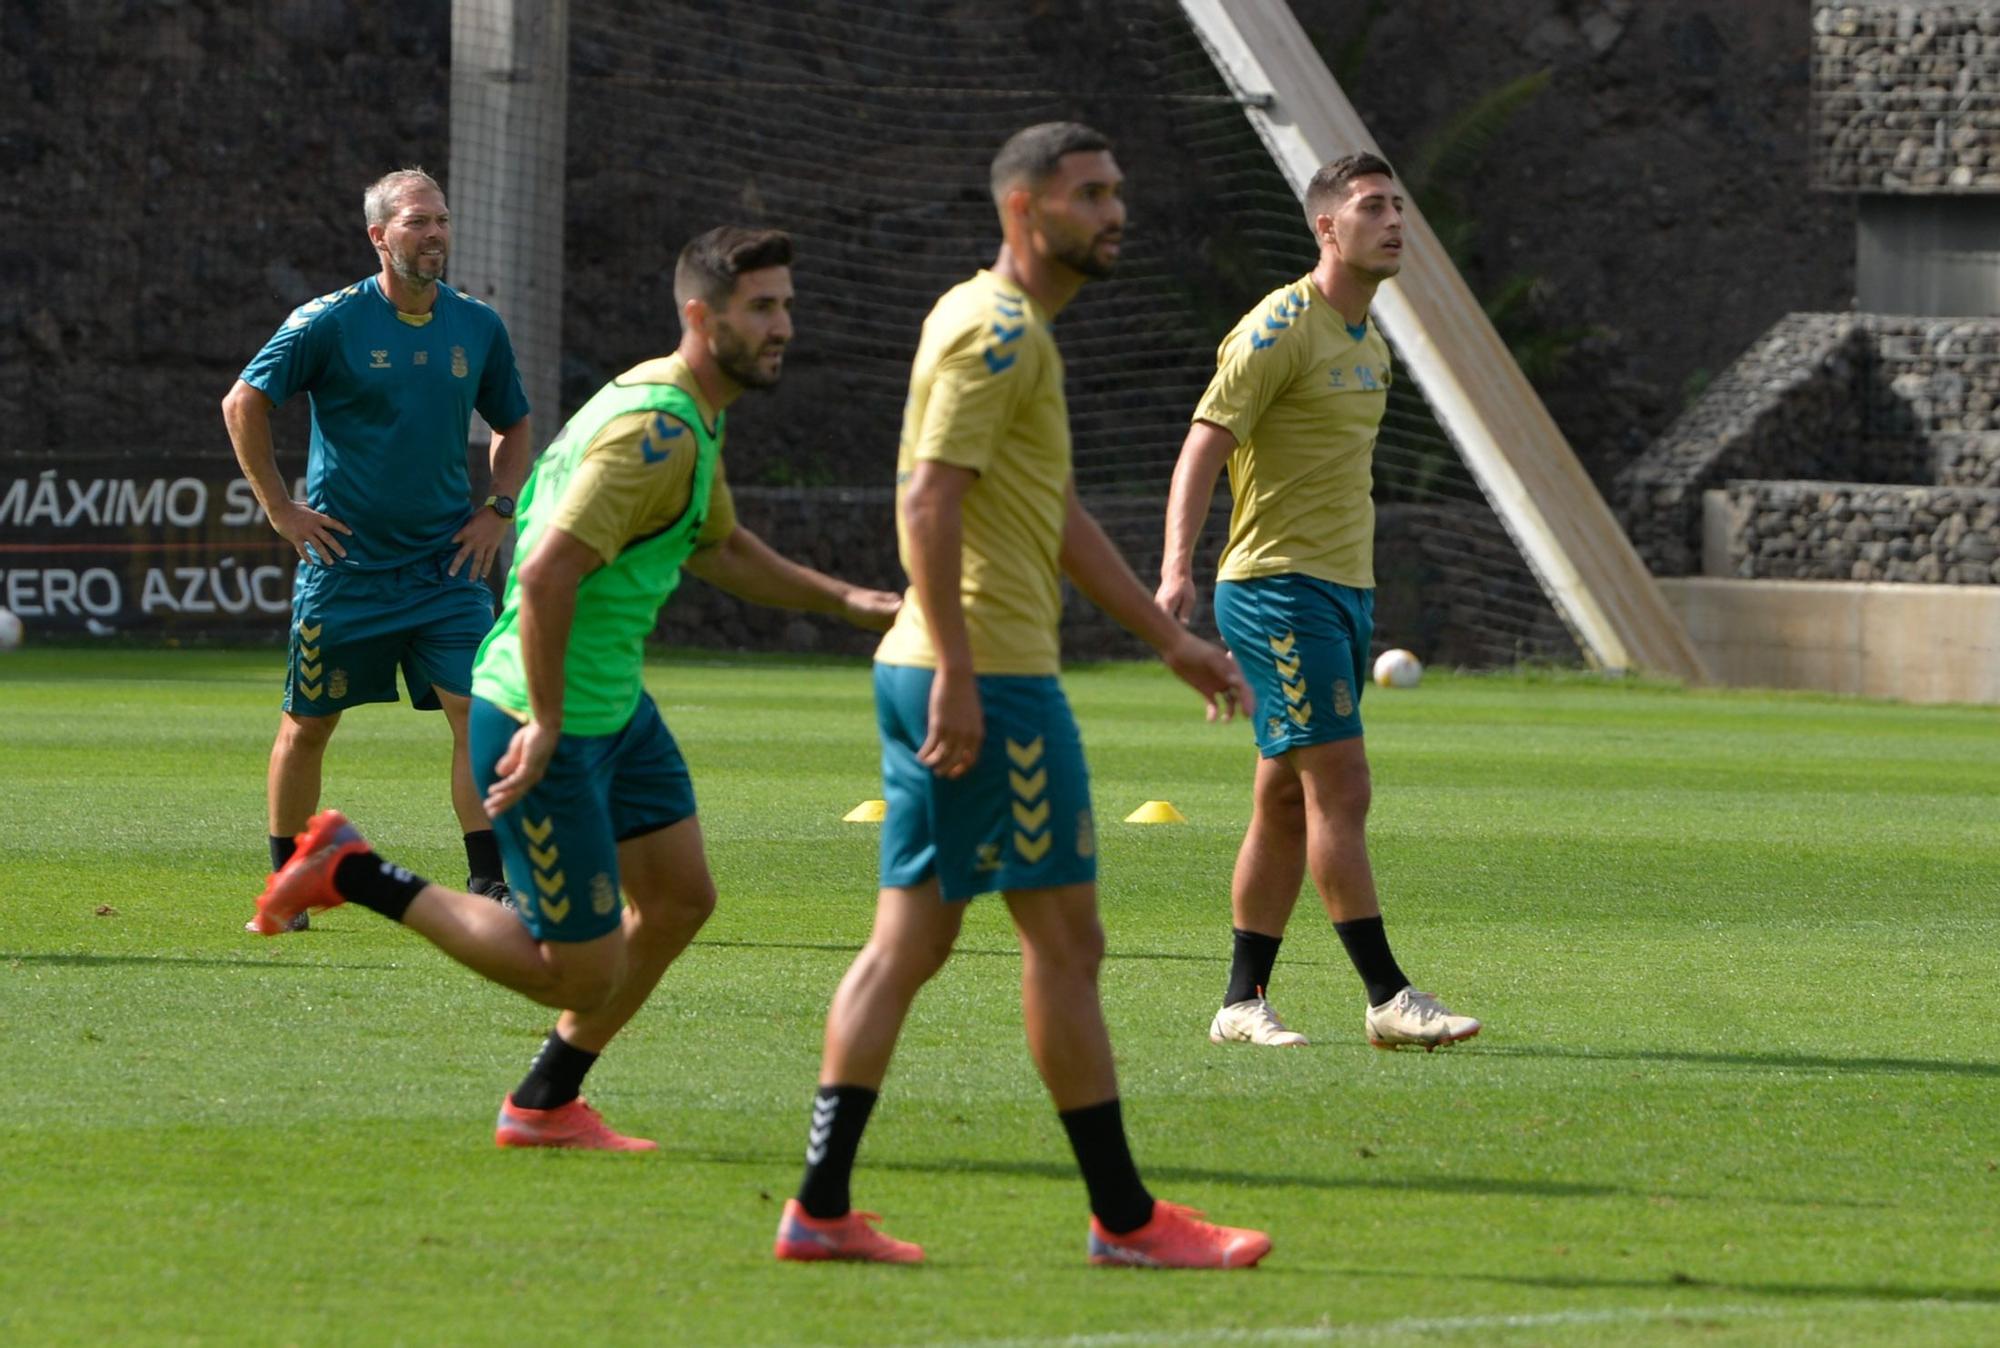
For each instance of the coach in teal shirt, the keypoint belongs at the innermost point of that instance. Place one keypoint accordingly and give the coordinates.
(393, 552)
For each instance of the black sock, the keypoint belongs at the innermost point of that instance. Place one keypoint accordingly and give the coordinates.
(482, 860)
(281, 851)
(1368, 946)
(378, 885)
(556, 1075)
(1250, 965)
(1117, 1195)
(839, 1115)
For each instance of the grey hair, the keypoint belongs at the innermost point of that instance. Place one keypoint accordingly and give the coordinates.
(378, 203)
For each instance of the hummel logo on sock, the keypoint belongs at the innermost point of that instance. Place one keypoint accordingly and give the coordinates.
(822, 1129)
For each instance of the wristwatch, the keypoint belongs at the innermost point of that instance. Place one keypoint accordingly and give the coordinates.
(503, 506)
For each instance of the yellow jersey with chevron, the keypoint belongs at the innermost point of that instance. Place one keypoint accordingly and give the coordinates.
(636, 476)
(1303, 393)
(986, 393)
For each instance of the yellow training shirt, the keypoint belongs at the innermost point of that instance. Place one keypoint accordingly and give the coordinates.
(1303, 394)
(626, 489)
(986, 393)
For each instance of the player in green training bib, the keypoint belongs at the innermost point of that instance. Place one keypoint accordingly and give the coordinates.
(1299, 390)
(587, 789)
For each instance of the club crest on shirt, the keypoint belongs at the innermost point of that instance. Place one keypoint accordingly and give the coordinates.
(459, 369)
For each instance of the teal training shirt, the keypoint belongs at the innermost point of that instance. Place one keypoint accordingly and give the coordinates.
(392, 403)
(617, 604)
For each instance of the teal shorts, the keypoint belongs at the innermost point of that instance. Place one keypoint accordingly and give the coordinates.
(560, 842)
(352, 630)
(1302, 645)
(1020, 819)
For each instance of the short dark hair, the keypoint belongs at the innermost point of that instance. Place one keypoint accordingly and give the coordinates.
(1330, 184)
(711, 262)
(1029, 158)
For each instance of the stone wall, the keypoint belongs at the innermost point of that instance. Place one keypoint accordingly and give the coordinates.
(1852, 531)
(1906, 97)
(1857, 398)
(1792, 399)
(1971, 460)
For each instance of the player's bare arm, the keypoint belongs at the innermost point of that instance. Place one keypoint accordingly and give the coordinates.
(933, 509)
(1095, 566)
(480, 540)
(246, 411)
(749, 568)
(1204, 451)
(548, 582)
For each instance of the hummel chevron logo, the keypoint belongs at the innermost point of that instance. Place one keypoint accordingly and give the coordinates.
(1009, 306)
(1025, 756)
(997, 363)
(821, 1131)
(1007, 335)
(1283, 645)
(1259, 343)
(661, 429)
(1026, 787)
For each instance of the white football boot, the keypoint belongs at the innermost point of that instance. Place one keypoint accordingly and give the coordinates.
(1252, 1022)
(1416, 1019)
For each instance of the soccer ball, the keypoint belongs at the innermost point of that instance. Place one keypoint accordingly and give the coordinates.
(10, 630)
(1398, 669)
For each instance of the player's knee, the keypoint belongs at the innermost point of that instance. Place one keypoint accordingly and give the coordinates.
(587, 990)
(1076, 953)
(1281, 802)
(908, 962)
(306, 732)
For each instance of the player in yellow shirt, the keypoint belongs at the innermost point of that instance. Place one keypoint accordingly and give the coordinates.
(982, 767)
(1297, 398)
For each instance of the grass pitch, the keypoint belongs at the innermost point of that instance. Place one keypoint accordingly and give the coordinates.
(1739, 1085)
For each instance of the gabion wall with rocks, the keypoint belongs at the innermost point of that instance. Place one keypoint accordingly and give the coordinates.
(1857, 398)
(1906, 97)
(1851, 531)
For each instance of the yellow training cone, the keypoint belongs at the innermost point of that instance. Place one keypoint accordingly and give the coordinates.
(1156, 812)
(867, 812)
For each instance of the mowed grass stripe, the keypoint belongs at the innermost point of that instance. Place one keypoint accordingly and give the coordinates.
(1730, 1091)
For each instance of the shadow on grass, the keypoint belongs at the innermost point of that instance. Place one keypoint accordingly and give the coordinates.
(75, 961)
(1963, 1296)
(977, 952)
(1464, 1186)
(1767, 1061)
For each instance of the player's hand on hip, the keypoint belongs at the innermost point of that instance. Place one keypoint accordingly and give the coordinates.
(1177, 596)
(479, 543)
(957, 726)
(873, 610)
(1212, 672)
(521, 765)
(310, 533)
